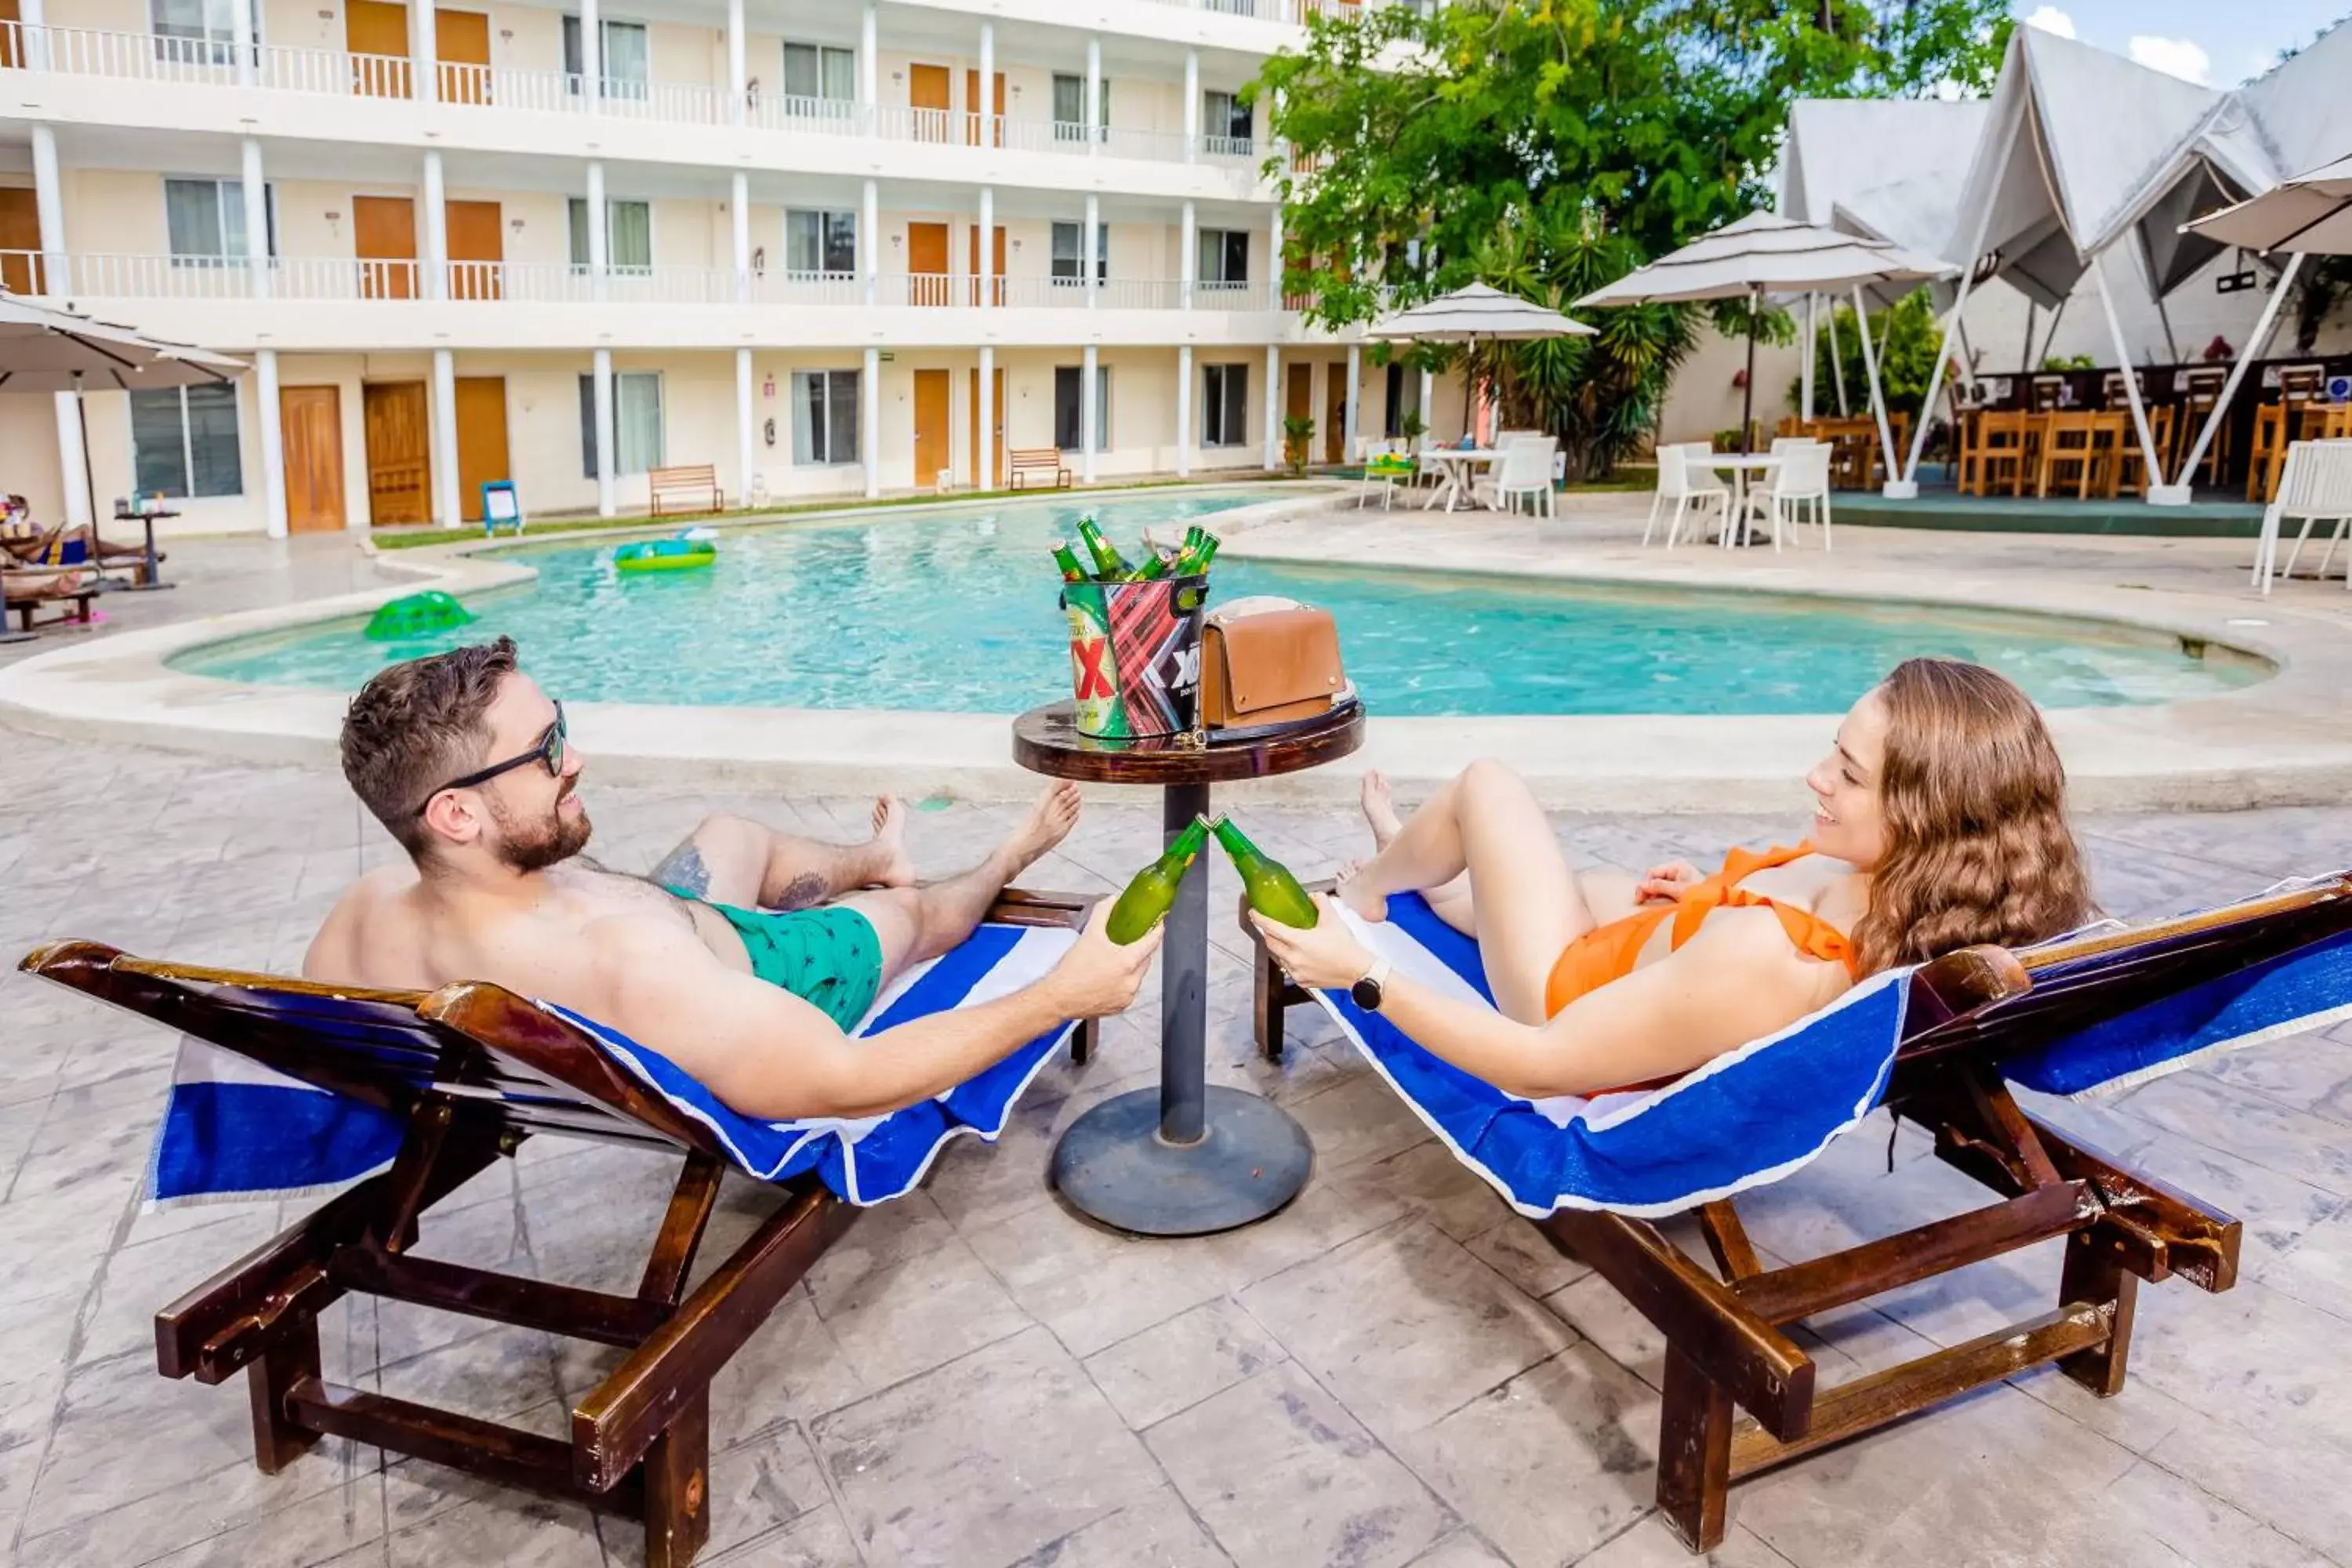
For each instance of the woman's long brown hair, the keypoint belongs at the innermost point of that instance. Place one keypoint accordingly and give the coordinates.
(1978, 847)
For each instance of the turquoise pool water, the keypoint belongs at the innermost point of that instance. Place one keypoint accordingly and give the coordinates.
(955, 612)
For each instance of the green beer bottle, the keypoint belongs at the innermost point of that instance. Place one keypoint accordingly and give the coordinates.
(1153, 892)
(1154, 569)
(1110, 566)
(1268, 885)
(1197, 556)
(1067, 560)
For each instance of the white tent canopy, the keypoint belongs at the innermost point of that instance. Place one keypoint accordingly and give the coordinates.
(2311, 213)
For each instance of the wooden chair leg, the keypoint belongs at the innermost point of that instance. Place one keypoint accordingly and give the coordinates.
(1694, 1453)
(678, 1486)
(291, 1356)
(1267, 1003)
(2094, 1274)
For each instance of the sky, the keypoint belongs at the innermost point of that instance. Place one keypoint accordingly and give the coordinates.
(2219, 45)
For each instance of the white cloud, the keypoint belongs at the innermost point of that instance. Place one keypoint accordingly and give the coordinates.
(2182, 58)
(2051, 19)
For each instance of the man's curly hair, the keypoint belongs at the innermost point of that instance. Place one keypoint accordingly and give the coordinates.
(417, 724)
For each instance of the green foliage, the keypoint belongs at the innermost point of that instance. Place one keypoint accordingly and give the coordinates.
(1547, 147)
(2068, 362)
(1909, 357)
(1297, 440)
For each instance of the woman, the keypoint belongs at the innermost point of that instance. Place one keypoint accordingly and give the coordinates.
(1939, 822)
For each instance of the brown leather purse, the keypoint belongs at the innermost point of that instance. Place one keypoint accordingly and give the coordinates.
(1270, 666)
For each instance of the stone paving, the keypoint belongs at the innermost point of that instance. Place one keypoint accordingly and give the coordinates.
(1395, 1370)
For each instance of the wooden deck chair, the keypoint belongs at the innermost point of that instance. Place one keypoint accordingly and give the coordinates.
(474, 1070)
(1967, 1016)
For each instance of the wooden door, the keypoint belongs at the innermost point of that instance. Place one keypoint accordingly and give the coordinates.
(384, 236)
(376, 34)
(476, 250)
(311, 421)
(972, 112)
(992, 474)
(1335, 392)
(927, 264)
(399, 460)
(1299, 400)
(461, 42)
(11, 57)
(481, 440)
(996, 272)
(931, 424)
(20, 241)
(926, 95)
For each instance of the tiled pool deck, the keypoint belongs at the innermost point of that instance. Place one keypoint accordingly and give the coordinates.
(1395, 1370)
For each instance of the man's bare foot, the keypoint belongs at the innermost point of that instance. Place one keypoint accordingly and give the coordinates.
(1380, 810)
(896, 869)
(1049, 821)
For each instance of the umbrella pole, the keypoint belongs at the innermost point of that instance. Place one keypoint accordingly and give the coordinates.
(88, 478)
(1748, 402)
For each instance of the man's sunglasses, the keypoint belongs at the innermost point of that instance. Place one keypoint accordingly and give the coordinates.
(550, 752)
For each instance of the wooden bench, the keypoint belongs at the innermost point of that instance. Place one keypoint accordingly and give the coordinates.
(25, 592)
(1038, 461)
(686, 490)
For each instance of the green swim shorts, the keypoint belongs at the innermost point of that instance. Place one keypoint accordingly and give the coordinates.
(829, 956)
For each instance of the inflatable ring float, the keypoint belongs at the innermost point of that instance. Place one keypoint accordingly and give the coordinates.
(665, 555)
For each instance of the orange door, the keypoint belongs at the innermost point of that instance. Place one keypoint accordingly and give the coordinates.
(1335, 415)
(311, 421)
(931, 426)
(927, 264)
(1300, 400)
(20, 240)
(926, 95)
(384, 236)
(476, 250)
(996, 271)
(376, 34)
(400, 468)
(972, 112)
(481, 440)
(461, 42)
(984, 478)
(10, 59)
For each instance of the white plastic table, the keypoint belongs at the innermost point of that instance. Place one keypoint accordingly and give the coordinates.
(1760, 464)
(1453, 465)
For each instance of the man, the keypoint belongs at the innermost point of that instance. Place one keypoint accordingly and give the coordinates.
(466, 763)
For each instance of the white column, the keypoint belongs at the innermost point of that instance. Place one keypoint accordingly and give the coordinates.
(1273, 407)
(447, 512)
(70, 458)
(744, 444)
(737, 75)
(2158, 492)
(1805, 371)
(1428, 391)
(273, 441)
(241, 35)
(1093, 93)
(437, 227)
(1274, 254)
(869, 417)
(49, 207)
(1090, 250)
(422, 49)
(1184, 411)
(869, 68)
(1347, 453)
(604, 413)
(256, 192)
(1089, 412)
(1188, 254)
(592, 57)
(599, 241)
(869, 230)
(1191, 107)
(738, 207)
(984, 112)
(34, 17)
(983, 465)
(987, 245)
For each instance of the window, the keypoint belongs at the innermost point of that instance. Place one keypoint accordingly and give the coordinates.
(817, 71)
(184, 441)
(1224, 406)
(1403, 398)
(628, 236)
(821, 242)
(824, 418)
(195, 32)
(1225, 123)
(636, 422)
(1069, 266)
(1225, 258)
(626, 67)
(1069, 426)
(206, 221)
(1070, 107)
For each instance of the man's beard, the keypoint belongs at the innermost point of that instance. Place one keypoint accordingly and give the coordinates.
(551, 840)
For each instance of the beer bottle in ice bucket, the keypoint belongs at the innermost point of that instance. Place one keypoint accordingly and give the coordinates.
(1266, 883)
(1197, 555)
(1067, 560)
(1153, 892)
(1110, 566)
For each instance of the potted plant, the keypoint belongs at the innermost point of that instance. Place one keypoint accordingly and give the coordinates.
(1297, 434)
(1412, 427)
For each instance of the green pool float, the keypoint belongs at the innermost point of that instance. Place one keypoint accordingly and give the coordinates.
(680, 555)
(415, 615)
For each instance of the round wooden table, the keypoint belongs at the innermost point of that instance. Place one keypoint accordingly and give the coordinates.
(1184, 1159)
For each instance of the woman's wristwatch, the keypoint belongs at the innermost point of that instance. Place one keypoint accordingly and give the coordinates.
(1367, 992)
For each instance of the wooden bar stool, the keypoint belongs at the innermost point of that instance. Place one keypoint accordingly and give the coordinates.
(2071, 442)
(2200, 390)
(2132, 467)
(2266, 452)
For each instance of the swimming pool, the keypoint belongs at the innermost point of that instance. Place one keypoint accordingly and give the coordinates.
(955, 612)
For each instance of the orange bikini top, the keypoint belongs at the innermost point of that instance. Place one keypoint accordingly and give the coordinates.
(1814, 936)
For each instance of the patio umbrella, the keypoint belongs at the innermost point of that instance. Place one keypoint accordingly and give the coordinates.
(1762, 254)
(1470, 313)
(2311, 213)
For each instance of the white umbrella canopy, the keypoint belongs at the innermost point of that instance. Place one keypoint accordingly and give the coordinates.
(2311, 213)
(1474, 312)
(47, 350)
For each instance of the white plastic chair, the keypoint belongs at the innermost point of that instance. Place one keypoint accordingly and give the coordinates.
(2315, 485)
(1523, 472)
(1368, 449)
(1687, 488)
(1801, 479)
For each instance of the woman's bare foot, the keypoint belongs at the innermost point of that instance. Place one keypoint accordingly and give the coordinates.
(1348, 888)
(1380, 810)
(1049, 821)
(895, 867)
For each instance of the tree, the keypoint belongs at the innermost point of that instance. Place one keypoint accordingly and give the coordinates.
(1907, 356)
(1549, 146)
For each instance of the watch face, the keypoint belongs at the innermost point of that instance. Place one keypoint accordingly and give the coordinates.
(1365, 994)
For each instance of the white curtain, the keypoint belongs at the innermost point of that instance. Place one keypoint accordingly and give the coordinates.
(638, 421)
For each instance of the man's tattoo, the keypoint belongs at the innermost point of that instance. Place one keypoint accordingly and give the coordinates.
(802, 891)
(683, 870)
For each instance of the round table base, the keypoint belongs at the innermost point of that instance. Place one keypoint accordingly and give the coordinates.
(1111, 1165)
